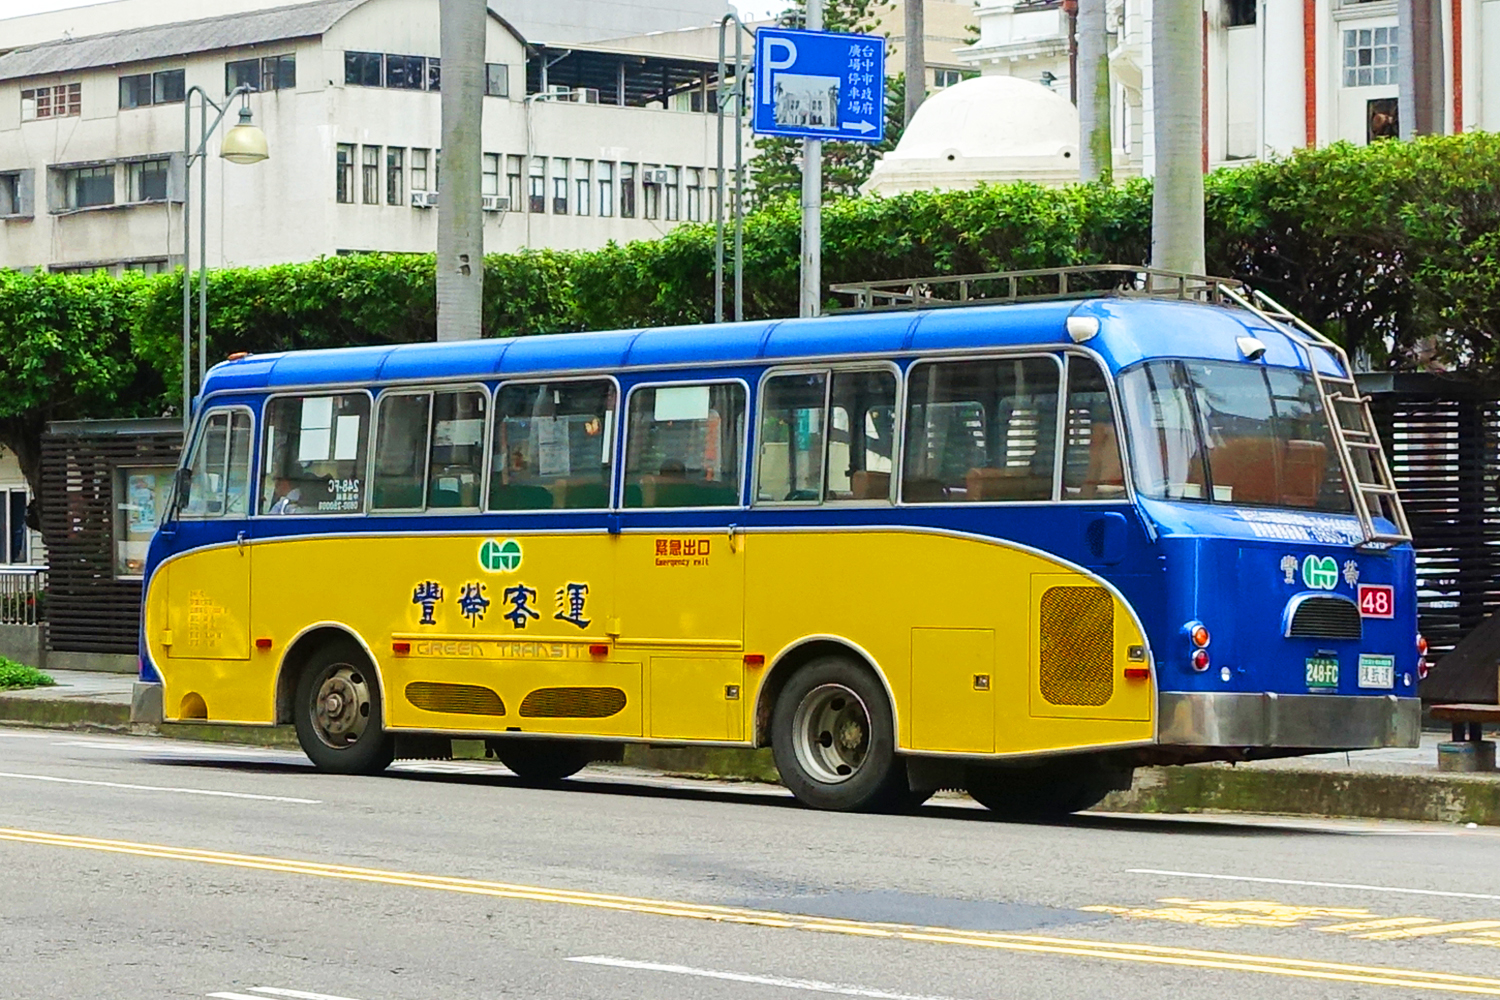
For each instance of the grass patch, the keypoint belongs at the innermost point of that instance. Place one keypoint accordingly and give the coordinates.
(19, 675)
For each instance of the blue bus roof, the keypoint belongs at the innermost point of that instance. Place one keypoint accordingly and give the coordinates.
(1131, 330)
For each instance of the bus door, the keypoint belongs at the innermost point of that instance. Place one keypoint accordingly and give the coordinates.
(206, 617)
(679, 569)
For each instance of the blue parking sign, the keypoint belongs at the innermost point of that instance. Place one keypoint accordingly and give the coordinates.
(819, 85)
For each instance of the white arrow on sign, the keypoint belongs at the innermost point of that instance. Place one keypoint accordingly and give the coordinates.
(860, 126)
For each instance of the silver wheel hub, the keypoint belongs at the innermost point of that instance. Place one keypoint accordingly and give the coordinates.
(341, 711)
(831, 733)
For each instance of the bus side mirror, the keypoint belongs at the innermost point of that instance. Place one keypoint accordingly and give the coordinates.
(183, 489)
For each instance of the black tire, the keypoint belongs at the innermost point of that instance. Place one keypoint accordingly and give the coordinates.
(337, 712)
(1047, 791)
(855, 769)
(542, 762)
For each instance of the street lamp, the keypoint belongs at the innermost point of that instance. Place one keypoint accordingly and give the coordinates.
(244, 143)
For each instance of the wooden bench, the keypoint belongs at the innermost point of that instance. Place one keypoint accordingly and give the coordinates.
(1469, 750)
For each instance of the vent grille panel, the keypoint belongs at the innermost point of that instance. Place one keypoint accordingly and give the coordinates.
(1326, 618)
(1077, 647)
(573, 703)
(454, 699)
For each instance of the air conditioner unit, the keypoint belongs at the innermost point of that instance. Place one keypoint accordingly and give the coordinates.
(586, 95)
(424, 199)
(495, 203)
(658, 177)
(560, 92)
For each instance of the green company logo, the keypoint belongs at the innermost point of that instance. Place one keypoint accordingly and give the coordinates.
(1320, 572)
(500, 557)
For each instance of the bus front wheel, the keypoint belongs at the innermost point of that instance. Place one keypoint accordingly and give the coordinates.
(338, 717)
(834, 741)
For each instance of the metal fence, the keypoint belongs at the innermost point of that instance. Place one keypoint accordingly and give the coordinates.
(23, 595)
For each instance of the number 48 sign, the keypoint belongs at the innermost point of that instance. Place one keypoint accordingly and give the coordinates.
(819, 85)
(1377, 600)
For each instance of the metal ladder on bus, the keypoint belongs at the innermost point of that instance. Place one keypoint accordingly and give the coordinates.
(1366, 469)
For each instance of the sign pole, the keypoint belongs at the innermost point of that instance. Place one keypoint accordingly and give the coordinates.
(812, 202)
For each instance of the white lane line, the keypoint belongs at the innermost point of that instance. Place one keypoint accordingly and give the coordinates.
(188, 750)
(24, 736)
(1316, 885)
(233, 996)
(294, 994)
(161, 788)
(808, 985)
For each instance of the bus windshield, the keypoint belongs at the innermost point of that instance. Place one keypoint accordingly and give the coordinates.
(1221, 432)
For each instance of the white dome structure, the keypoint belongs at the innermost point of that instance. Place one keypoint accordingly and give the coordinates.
(990, 129)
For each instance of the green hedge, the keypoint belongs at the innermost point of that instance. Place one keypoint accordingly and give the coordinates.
(1391, 247)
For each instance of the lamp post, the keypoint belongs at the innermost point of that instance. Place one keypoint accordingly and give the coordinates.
(244, 143)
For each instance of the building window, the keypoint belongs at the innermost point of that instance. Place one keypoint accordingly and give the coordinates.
(344, 175)
(560, 185)
(694, 194)
(606, 189)
(135, 91)
(167, 86)
(363, 68)
(140, 497)
(671, 195)
(269, 73)
(582, 181)
(489, 176)
(513, 182)
(394, 195)
(1382, 119)
(1370, 57)
(405, 72)
(536, 179)
(370, 174)
(13, 549)
(60, 101)
(145, 89)
(419, 170)
(627, 190)
(156, 265)
(88, 187)
(945, 77)
(1240, 13)
(434, 74)
(650, 192)
(15, 194)
(147, 180)
(496, 80)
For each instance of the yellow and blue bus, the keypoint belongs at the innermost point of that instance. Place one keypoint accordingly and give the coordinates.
(1017, 548)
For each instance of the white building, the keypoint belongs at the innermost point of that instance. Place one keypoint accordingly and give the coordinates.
(1274, 81)
(582, 143)
(19, 545)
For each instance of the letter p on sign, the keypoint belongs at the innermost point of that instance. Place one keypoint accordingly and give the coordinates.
(768, 45)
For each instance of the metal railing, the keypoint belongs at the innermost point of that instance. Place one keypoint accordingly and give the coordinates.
(1076, 282)
(23, 595)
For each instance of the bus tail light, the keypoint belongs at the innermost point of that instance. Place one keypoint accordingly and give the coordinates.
(1422, 667)
(1199, 635)
(1198, 639)
(1200, 660)
(1137, 673)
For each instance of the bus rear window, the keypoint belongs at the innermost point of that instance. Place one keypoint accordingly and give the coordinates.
(315, 454)
(1231, 433)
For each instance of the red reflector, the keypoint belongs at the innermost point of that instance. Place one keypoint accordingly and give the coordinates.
(755, 659)
(599, 649)
(1200, 636)
(1200, 660)
(401, 648)
(262, 643)
(1137, 673)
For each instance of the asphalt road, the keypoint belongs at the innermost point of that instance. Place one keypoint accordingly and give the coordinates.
(141, 869)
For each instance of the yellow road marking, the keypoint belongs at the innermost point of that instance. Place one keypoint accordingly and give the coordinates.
(1375, 925)
(1025, 943)
(1432, 930)
(1490, 939)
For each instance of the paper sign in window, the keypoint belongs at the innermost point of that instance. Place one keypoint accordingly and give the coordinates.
(346, 441)
(687, 402)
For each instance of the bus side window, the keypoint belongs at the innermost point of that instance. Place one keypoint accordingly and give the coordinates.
(398, 481)
(683, 446)
(553, 445)
(315, 454)
(456, 456)
(861, 435)
(210, 458)
(982, 430)
(1092, 469)
(791, 439)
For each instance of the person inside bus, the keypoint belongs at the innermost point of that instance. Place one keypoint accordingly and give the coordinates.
(286, 497)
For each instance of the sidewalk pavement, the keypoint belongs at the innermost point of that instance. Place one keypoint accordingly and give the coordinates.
(1398, 784)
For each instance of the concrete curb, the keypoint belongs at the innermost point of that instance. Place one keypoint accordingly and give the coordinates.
(1202, 788)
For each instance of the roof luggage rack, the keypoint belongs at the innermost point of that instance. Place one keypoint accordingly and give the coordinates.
(1366, 470)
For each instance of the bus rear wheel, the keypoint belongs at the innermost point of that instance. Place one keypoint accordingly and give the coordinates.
(542, 762)
(834, 741)
(338, 717)
(1048, 791)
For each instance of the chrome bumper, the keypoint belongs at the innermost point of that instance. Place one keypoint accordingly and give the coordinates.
(1329, 722)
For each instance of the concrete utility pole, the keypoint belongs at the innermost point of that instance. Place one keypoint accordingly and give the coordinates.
(460, 240)
(811, 297)
(916, 58)
(1095, 145)
(1177, 82)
